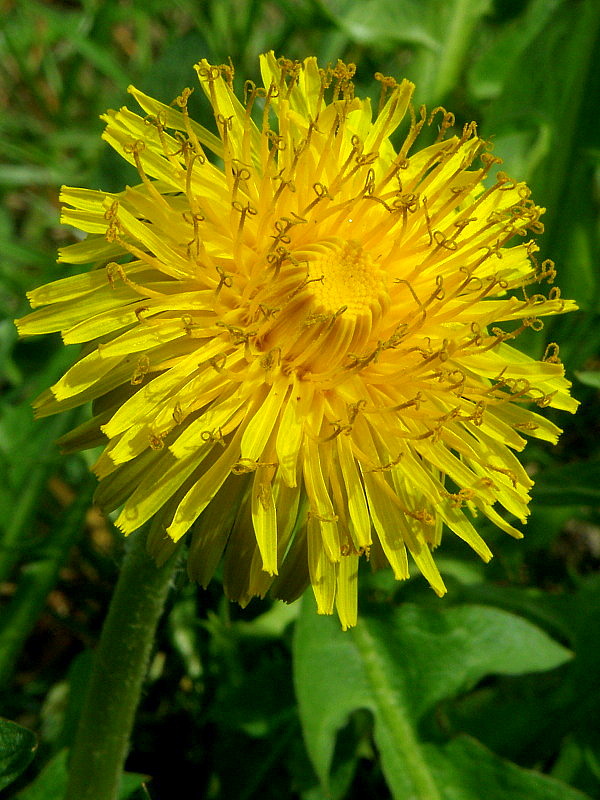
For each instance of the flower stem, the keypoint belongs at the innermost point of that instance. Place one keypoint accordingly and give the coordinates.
(120, 666)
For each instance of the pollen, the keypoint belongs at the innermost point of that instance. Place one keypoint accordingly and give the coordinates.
(345, 276)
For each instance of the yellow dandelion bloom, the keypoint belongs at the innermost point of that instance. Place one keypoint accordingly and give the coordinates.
(292, 333)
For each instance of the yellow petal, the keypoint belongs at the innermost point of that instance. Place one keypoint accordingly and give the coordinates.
(321, 512)
(159, 484)
(346, 601)
(360, 519)
(264, 521)
(323, 573)
(262, 423)
(289, 439)
(203, 491)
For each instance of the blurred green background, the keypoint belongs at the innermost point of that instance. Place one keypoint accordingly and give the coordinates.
(495, 686)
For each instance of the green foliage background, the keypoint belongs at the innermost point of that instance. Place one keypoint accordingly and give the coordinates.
(491, 692)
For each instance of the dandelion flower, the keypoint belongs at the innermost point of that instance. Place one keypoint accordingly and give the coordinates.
(298, 333)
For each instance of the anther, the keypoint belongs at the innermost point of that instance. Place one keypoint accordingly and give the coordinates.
(551, 354)
(269, 360)
(238, 335)
(389, 465)
(246, 465)
(156, 442)
(447, 121)
(321, 518)
(217, 362)
(112, 270)
(427, 220)
(442, 241)
(141, 370)
(354, 410)
(178, 414)
(224, 280)
(338, 428)
(214, 437)
(504, 471)
(534, 323)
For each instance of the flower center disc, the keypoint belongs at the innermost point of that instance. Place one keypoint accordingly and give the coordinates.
(344, 276)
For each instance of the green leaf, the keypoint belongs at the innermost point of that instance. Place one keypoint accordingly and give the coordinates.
(440, 32)
(29, 175)
(577, 483)
(381, 22)
(490, 71)
(17, 748)
(51, 783)
(399, 667)
(453, 23)
(544, 127)
(37, 578)
(536, 717)
(468, 771)
(97, 55)
(29, 476)
(589, 378)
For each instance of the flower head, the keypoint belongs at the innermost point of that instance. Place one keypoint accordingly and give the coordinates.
(298, 334)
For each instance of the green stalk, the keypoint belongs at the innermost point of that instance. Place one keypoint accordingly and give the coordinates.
(396, 718)
(120, 666)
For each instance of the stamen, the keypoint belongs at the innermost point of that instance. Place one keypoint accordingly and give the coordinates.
(141, 370)
(182, 102)
(551, 354)
(448, 120)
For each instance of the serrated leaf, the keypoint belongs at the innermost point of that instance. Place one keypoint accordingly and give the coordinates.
(399, 666)
(17, 748)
